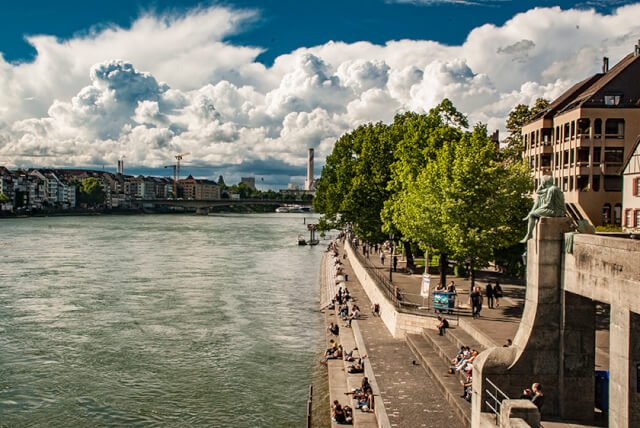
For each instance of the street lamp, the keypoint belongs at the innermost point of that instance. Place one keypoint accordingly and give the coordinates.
(391, 258)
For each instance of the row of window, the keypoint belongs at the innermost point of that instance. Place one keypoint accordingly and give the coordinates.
(613, 128)
(612, 183)
(606, 214)
(631, 218)
(578, 156)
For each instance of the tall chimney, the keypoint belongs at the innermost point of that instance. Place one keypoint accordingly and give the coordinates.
(308, 184)
(605, 64)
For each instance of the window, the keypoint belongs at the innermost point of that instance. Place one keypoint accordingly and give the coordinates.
(545, 160)
(612, 100)
(583, 127)
(557, 133)
(582, 183)
(635, 187)
(606, 214)
(571, 183)
(595, 183)
(614, 155)
(583, 155)
(636, 222)
(573, 128)
(566, 131)
(614, 128)
(612, 183)
(566, 157)
(617, 214)
(597, 128)
(596, 155)
(571, 156)
(628, 217)
(565, 184)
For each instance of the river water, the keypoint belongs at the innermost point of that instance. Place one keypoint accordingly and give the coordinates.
(157, 321)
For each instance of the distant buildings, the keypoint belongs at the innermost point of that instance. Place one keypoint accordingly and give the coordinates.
(309, 182)
(58, 189)
(250, 182)
(583, 138)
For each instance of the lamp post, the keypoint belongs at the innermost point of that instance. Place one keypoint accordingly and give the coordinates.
(391, 251)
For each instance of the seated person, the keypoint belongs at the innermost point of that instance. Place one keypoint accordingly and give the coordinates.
(537, 397)
(466, 387)
(365, 402)
(442, 325)
(333, 329)
(331, 349)
(358, 367)
(340, 414)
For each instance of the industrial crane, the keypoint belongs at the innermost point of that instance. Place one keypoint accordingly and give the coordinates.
(176, 172)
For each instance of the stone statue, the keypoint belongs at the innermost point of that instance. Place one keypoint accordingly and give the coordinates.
(550, 203)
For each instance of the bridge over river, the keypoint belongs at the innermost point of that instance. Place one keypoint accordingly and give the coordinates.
(202, 205)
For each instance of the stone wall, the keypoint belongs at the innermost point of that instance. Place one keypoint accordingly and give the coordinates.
(398, 323)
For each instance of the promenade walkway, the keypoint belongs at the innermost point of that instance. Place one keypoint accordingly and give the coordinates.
(410, 397)
(392, 359)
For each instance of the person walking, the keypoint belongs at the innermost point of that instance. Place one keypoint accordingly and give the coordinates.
(382, 257)
(489, 294)
(497, 293)
(476, 302)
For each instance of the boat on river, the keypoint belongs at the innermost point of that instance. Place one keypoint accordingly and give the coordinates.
(293, 209)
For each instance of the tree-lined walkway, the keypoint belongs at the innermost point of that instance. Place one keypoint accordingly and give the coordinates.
(411, 398)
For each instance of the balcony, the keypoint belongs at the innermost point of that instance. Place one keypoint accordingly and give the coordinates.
(611, 168)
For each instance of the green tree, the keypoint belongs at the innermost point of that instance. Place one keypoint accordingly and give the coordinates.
(3, 198)
(91, 192)
(518, 117)
(418, 138)
(466, 202)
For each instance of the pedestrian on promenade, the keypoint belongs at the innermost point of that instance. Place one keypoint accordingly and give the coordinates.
(476, 302)
(489, 294)
(497, 293)
(382, 258)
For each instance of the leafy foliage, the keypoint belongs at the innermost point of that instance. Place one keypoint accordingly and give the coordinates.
(518, 117)
(91, 192)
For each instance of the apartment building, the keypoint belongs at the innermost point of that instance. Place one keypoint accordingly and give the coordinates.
(193, 188)
(583, 138)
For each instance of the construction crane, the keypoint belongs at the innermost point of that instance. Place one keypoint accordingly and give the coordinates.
(176, 172)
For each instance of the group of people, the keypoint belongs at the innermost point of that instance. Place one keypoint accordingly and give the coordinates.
(493, 294)
(463, 363)
(347, 316)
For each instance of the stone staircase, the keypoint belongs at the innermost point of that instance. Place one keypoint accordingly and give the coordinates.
(434, 353)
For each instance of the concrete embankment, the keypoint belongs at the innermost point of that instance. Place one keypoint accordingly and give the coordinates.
(405, 394)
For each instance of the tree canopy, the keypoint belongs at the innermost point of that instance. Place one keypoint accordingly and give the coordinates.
(430, 180)
(518, 117)
(91, 192)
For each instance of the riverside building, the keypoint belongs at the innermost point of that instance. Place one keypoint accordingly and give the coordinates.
(583, 138)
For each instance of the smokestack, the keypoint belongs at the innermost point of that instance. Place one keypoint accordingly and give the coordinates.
(605, 64)
(308, 184)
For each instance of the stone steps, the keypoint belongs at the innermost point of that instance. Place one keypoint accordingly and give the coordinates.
(437, 367)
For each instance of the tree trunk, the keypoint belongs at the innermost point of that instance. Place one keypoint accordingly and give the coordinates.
(444, 264)
(409, 255)
(472, 273)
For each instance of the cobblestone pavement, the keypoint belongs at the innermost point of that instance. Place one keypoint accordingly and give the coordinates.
(410, 396)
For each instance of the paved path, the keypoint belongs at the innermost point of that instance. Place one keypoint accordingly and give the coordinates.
(410, 397)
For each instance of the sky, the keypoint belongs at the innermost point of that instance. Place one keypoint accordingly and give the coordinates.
(247, 86)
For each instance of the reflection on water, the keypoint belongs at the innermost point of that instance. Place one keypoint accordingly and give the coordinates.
(157, 320)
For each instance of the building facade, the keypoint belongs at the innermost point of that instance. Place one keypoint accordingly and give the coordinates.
(583, 137)
(631, 191)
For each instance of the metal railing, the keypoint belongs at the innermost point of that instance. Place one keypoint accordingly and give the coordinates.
(396, 296)
(495, 396)
(309, 404)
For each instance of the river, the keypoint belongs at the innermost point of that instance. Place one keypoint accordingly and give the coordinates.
(157, 320)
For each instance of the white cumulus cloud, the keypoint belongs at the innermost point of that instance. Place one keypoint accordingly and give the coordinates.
(172, 83)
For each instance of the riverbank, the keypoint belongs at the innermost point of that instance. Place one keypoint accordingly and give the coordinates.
(230, 209)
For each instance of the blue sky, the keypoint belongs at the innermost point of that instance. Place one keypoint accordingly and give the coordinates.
(248, 86)
(284, 25)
